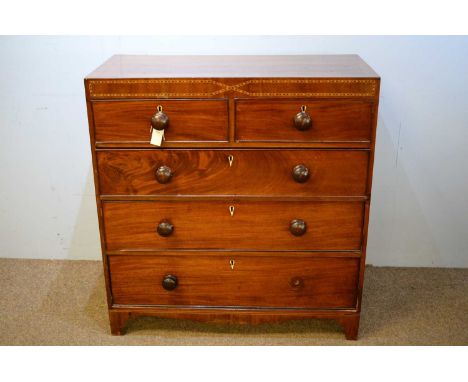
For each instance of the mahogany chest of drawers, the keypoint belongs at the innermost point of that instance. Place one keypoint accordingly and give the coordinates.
(255, 205)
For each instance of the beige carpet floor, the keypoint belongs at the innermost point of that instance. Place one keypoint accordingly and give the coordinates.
(44, 302)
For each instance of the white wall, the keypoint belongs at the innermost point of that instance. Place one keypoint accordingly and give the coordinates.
(419, 215)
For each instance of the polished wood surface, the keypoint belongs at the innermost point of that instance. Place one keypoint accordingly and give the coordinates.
(257, 225)
(301, 66)
(252, 172)
(206, 88)
(134, 77)
(268, 120)
(130, 121)
(120, 314)
(233, 144)
(223, 251)
(252, 281)
(256, 206)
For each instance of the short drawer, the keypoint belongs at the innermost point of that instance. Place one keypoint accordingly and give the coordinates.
(233, 172)
(256, 225)
(330, 121)
(233, 280)
(189, 120)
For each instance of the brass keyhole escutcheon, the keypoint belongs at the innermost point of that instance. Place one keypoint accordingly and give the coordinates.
(230, 160)
(231, 210)
(232, 263)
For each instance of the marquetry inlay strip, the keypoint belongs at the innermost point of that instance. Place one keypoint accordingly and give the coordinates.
(208, 88)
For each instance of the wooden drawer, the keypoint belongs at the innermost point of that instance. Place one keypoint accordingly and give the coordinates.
(251, 281)
(331, 121)
(259, 225)
(252, 172)
(189, 120)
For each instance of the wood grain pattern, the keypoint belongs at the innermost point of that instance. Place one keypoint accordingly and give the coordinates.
(118, 320)
(255, 225)
(215, 67)
(229, 87)
(130, 121)
(235, 145)
(223, 252)
(254, 281)
(219, 76)
(119, 314)
(98, 204)
(350, 325)
(253, 172)
(269, 120)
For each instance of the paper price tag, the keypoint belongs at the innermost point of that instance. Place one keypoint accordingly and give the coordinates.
(157, 137)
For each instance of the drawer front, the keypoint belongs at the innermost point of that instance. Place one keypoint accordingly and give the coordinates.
(235, 281)
(250, 172)
(189, 120)
(330, 121)
(262, 225)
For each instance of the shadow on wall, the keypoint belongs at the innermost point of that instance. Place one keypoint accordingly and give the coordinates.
(85, 243)
(399, 233)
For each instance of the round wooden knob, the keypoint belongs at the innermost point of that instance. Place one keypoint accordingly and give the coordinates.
(300, 173)
(160, 121)
(302, 120)
(165, 228)
(163, 174)
(298, 227)
(169, 282)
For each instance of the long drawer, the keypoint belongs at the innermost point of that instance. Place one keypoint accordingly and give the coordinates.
(257, 225)
(330, 120)
(233, 172)
(232, 280)
(189, 120)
